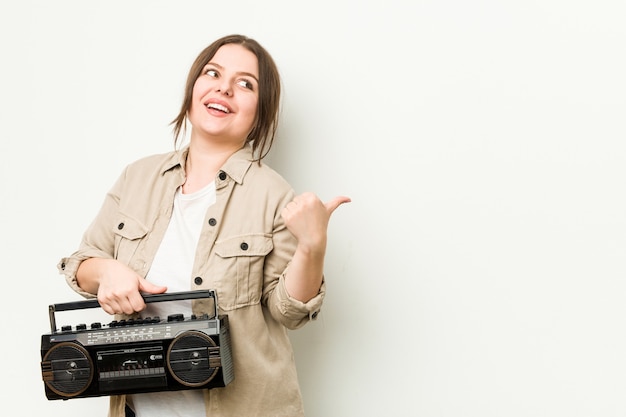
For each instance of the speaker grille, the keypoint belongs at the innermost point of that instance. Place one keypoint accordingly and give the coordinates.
(193, 358)
(67, 369)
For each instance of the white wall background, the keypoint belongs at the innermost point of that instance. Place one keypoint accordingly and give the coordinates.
(479, 270)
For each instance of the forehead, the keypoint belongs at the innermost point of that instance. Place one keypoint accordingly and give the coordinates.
(236, 58)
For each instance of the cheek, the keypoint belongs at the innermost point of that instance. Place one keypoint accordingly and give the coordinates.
(197, 90)
(196, 93)
(251, 108)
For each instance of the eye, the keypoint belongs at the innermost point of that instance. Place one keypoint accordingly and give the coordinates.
(211, 72)
(245, 84)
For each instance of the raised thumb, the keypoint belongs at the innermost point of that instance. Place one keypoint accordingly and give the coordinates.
(336, 202)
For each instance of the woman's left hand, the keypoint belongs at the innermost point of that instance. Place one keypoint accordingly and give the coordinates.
(307, 217)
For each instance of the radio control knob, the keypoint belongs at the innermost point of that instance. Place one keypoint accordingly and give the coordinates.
(81, 326)
(66, 328)
(175, 317)
(96, 325)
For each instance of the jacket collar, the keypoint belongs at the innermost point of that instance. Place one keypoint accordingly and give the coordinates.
(235, 166)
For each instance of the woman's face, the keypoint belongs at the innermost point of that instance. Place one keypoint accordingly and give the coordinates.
(225, 96)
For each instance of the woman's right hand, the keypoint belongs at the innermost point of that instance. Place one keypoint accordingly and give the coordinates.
(117, 286)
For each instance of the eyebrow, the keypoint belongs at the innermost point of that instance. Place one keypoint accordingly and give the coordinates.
(238, 72)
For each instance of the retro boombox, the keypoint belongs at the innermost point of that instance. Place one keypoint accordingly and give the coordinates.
(137, 355)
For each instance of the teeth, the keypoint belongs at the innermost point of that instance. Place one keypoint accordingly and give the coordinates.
(217, 107)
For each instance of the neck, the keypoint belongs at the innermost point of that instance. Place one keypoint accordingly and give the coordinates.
(203, 163)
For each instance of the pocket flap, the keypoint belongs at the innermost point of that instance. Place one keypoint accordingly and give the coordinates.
(129, 228)
(245, 245)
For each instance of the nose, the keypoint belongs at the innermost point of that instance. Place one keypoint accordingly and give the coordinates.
(224, 88)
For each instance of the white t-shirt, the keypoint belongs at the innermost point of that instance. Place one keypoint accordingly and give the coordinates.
(172, 267)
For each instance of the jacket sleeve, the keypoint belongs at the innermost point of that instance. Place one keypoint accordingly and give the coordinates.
(98, 240)
(292, 313)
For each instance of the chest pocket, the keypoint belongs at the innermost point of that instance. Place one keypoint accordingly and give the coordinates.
(239, 271)
(128, 234)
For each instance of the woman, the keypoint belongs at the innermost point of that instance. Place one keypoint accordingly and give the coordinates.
(213, 216)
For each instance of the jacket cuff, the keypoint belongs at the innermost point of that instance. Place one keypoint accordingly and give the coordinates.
(68, 266)
(296, 310)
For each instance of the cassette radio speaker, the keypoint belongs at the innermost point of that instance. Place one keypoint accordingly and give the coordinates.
(137, 355)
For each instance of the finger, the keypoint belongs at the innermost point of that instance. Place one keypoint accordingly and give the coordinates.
(147, 286)
(106, 304)
(136, 302)
(110, 307)
(128, 307)
(123, 304)
(336, 202)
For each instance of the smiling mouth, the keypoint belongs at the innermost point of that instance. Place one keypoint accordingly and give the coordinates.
(218, 107)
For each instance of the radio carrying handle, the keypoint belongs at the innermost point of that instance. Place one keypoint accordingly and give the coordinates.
(148, 298)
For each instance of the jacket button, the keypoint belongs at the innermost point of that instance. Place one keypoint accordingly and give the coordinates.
(197, 280)
(120, 226)
(244, 246)
(314, 315)
(222, 175)
(212, 221)
(63, 266)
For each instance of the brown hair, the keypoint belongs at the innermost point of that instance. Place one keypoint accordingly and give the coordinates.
(266, 120)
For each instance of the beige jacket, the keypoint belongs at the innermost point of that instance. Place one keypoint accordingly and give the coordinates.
(243, 253)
